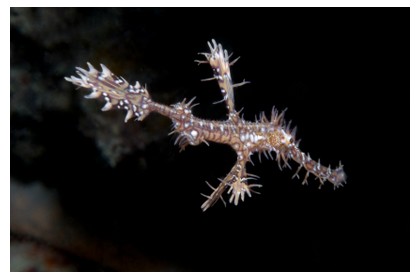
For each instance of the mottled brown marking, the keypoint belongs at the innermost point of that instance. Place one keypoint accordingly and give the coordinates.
(246, 138)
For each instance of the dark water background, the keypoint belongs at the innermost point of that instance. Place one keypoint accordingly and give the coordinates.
(343, 74)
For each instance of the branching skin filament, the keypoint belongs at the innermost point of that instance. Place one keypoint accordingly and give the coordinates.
(264, 136)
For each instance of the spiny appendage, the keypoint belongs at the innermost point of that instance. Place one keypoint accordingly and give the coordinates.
(218, 58)
(237, 181)
(336, 176)
(277, 136)
(185, 124)
(116, 91)
(287, 147)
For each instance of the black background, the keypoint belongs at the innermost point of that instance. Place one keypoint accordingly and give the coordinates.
(342, 73)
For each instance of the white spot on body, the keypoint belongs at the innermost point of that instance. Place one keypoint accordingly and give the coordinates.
(144, 106)
(255, 138)
(194, 133)
(252, 137)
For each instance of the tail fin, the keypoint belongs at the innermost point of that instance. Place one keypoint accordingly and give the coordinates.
(115, 90)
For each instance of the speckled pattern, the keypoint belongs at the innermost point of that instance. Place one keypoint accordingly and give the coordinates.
(245, 138)
(122, 197)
